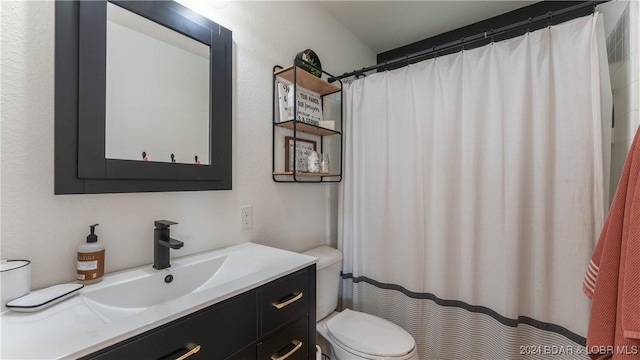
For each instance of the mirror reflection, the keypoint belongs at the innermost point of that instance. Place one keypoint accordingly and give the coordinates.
(157, 92)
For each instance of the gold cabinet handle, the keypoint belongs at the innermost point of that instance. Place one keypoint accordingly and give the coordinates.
(298, 345)
(192, 350)
(285, 303)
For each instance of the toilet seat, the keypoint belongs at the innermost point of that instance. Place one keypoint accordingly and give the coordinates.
(369, 336)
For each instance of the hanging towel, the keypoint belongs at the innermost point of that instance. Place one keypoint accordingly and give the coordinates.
(612, 280)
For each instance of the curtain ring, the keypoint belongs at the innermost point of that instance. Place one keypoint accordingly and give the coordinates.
(550, 14)
(529, 25)
(462, 43)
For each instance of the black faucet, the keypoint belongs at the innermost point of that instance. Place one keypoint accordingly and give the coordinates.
(162, 242)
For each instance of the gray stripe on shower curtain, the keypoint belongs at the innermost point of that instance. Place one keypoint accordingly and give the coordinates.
(446, 329)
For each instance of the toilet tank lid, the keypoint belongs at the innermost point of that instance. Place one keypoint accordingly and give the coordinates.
(326, 255)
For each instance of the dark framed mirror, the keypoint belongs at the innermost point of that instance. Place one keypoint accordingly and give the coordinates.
(143, 98)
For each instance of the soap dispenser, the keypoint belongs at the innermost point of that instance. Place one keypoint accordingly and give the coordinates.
(90, 265)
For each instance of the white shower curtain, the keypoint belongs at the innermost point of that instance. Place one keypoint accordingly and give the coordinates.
(473, 194)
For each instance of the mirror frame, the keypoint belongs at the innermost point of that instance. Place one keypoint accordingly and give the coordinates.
(80, 68)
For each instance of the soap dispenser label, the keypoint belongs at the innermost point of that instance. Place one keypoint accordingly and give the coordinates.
(90, 265)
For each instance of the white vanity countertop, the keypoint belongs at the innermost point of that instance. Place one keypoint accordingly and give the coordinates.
(72, 328)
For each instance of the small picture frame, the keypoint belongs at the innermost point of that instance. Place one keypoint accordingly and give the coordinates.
(304, 148)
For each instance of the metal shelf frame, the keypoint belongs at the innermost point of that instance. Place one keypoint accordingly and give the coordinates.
(324, 88)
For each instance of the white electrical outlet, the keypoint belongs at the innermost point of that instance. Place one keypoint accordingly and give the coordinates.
(246, 217)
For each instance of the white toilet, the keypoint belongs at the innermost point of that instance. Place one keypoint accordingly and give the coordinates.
(352, 334)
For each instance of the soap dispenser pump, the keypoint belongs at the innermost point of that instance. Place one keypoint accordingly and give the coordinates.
(90, 265)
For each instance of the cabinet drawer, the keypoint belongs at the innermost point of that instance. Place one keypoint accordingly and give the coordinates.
(247, 353)
(284, 299)
(290, 343)
(219, 331)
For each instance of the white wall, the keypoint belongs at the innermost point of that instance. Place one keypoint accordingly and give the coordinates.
(623, 38)
(46, 229)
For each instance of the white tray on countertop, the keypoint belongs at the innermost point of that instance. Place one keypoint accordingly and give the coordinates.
(43, 298)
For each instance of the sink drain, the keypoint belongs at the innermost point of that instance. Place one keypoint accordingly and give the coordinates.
(168, 278)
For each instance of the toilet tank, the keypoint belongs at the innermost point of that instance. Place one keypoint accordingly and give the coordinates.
(327, 279)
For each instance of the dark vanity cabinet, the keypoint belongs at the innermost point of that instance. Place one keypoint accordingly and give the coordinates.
(274, 321)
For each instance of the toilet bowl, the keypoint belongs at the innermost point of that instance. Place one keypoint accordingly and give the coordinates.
(352, 334)
(357, 335)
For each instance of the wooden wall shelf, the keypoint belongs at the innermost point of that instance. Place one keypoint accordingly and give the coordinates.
(307, 128)
(278, 173)
(326, 141)
(307, 81)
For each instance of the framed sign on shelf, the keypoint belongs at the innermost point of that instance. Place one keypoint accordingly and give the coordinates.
(304, 148)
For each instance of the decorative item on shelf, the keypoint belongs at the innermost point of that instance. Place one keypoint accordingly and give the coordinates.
(304, 147)
(313, 162)
(144, 156)
(285, 101)
(310, 62)
(196, 160)
(327, 124)
(324, 163)
(173, 158)
(309, 105)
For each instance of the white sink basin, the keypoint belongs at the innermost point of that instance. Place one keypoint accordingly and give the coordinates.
(130, 292)
(146, 287)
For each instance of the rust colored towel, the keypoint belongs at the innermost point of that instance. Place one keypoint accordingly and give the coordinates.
(612, 280)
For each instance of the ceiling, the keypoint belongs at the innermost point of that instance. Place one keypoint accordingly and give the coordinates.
(386, 25)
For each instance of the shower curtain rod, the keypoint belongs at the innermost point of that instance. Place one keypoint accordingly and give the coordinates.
(433, 52)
